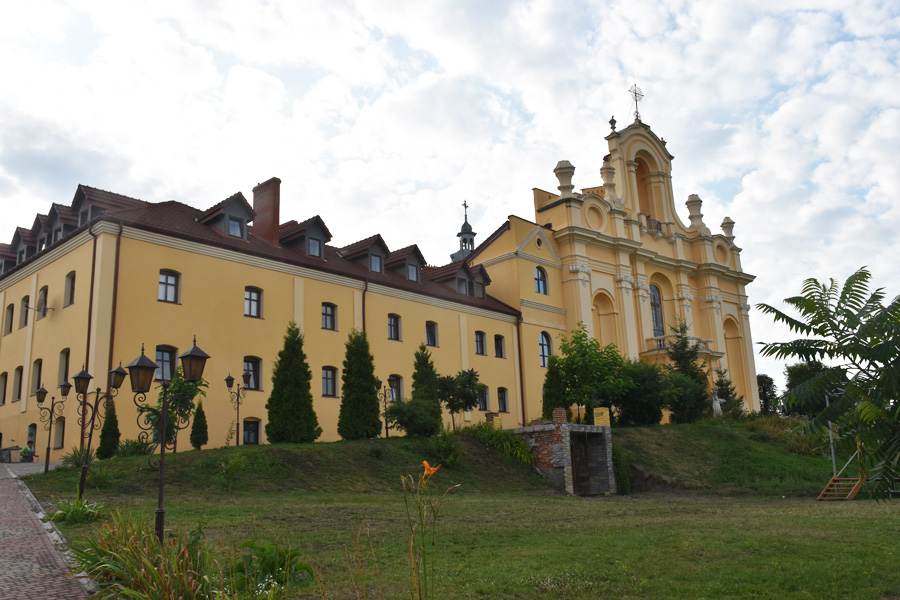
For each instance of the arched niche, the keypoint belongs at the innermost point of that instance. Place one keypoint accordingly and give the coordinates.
(646, 167)
(663, 325)
(734, 351)
(604, 310)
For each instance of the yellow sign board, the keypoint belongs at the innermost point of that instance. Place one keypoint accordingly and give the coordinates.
(601, 417)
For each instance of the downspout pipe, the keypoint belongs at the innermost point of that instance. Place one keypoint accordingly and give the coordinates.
(87, 349)
(115, 305)
(521, 372)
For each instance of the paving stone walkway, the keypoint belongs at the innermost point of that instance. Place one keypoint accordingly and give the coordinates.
(31, 567)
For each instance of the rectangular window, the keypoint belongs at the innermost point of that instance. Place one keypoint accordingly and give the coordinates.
(23, 312)
(252, 366)
(412, 272)
(502, 403)
(484, 402)
(235, 227)
(165, 361)
(251, 433)
(20, 256)
(252, 302)
(431, 333)
(499, 346)
(395, 385)
(2, 388)
(168, 286)
(375, 262)
(8, 319)
(315, 247)
(57, 234)
(461, 285)
(480, 343)
(479, 290)
(329, 316)
(329, 381)
(394, 327)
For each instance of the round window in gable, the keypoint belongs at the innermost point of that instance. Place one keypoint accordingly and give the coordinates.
(539, 242)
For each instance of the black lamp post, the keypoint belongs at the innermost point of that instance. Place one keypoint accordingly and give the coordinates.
(142, 371)
(384, 393)
(90, 416)
(237, 398)
(51, 414)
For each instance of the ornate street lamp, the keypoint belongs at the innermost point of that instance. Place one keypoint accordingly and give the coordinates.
(51, 414)
(154, 421)
(90, 416)
(384, 392)
(237, 398)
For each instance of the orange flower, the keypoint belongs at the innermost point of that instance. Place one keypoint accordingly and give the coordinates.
(429, 470)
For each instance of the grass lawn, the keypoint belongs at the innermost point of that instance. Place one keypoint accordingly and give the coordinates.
(505, 534)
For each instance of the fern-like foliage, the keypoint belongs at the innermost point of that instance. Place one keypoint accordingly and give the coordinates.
(851, 329)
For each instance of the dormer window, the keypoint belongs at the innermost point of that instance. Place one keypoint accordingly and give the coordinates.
(479, 290)
(20, 256)
(412, 272)
(57, 234)
(315, 247)
(462, 286)
(235, 227)
(375, 263)
(42, 243)
(83, 217)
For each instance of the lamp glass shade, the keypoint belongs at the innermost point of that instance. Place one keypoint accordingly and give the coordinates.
(116, 377)
(41, 394)
(192, 363)
(377, 384)
(229, 381)
(82, 381)
(142, 371)
(64, 388)
(246, 377)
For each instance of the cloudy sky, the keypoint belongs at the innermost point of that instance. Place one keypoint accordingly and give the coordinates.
(383, 116)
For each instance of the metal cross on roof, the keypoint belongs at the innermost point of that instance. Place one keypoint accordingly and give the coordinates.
(637, 94)
(465, 211)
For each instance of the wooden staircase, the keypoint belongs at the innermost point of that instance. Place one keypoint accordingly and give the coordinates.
(841, 488)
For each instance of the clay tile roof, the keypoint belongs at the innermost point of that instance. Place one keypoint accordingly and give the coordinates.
(357, 249)
(215, 210)
(24, 235)
(64, 214)
(399, 256)
(7, 252)
(444, 273)
(104, 199)
(293, 229)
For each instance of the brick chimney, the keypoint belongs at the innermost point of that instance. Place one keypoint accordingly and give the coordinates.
(266, 204)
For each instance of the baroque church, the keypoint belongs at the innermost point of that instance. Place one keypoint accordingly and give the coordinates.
(94, 281)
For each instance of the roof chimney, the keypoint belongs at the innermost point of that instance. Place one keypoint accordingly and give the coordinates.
(266, 205)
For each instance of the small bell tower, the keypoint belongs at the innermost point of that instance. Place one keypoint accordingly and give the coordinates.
(466, 237)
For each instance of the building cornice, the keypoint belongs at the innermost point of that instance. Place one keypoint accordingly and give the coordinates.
(540, 306)
(47, 257)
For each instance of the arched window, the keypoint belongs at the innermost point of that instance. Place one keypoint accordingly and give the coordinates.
(59, 432)
(8, 319)
(499, 346)
(165, 362)
(656, 312)
(252, 365)
(251, 431)
(69, 297)
(395, 384)
(502, 400)
(42, 303)
(484, 400)
(329, 316)
(540, 280)
(3, 377)
(17, 385)
(329, 381)
(252, 302)
(394, 327)
(544, 348)
(168, 286)
(36, 368)
(480, 343)
(431, 333)
(64, 365)
(23, 311)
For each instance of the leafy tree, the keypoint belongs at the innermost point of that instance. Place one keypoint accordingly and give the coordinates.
(555, 392)
(852, 329)
(732, 404)
(109, 435)
(199, 428)
(642, 404)
(689, 403)
(593, 376)
(421, 415)
(181, 404)
(808, 402)
(290, 410)
(768, 394)
(459, 393)
(360, 414)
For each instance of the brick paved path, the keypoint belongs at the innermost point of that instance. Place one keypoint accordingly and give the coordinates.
(30, 566)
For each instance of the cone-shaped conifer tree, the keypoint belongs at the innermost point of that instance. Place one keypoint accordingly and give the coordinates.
(109, 435)
(360, 416)
(290, 407)
(199, 428)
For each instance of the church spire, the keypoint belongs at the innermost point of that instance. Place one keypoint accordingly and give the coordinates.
(466, 236)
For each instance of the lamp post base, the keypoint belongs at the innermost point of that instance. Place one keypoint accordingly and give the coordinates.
(160, 523)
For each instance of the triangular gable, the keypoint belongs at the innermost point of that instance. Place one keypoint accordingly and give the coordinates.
(293, 230)
(362, 247)
(551, 255)
(236, 203)
(399, 257)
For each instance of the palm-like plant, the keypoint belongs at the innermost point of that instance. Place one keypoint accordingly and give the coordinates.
(853, 330)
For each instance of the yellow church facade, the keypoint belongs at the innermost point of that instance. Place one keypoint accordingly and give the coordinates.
(92, 282)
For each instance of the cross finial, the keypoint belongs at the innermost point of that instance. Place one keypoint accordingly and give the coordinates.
(637, 94)
(465, 211)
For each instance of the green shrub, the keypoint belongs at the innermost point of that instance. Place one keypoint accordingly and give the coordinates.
(76, 511)
(126, 560)
(133, 448)
(417, 417)
(74, 458)
(443, 447)
(199, 428)
(504, 442)
(266, 570)
(109, 434)
(791, 432)
(98, 477)
(622, 471)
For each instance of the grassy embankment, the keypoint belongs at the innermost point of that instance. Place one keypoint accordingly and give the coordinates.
(506, 534)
